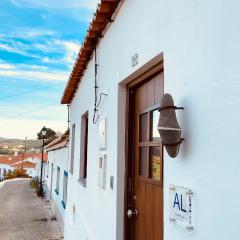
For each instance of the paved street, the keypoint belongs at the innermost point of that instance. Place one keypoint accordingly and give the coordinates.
(24, 216)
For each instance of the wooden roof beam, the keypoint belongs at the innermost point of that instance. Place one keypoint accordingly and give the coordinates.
(94, 35)
(102, 17)
(96, 26)
(106, 7)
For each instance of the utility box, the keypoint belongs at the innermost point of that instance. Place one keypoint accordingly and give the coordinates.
(102, 170)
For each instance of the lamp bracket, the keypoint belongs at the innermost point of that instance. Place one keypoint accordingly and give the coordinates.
(170, 107)
(173, 144)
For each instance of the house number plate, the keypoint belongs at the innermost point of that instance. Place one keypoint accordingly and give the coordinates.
(180, 204)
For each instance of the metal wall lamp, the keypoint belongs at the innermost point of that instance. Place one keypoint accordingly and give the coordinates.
(168, 126)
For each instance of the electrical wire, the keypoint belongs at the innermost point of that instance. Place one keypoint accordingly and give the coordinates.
(27, 112)
(95, 116)
(100, 100)
(33, 110)
(28, 92)
(96, 101)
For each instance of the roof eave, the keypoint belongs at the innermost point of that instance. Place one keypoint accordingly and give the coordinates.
(101, 19)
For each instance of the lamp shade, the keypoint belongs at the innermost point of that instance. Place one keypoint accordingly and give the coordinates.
(168, 126)
(44, 131)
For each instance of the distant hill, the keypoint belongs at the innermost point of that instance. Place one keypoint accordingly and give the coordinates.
(9, 146)
(30, 142)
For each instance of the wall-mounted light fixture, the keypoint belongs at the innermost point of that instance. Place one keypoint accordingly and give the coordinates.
(168, 126)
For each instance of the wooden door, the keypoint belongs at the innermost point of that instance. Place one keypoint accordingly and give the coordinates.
(145, 165)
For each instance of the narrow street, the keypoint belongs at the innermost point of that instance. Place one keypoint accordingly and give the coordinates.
(25, 216)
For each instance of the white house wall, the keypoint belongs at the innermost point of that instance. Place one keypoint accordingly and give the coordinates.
(59, 158)
(200, 43)
(4, 166)
(31, 172)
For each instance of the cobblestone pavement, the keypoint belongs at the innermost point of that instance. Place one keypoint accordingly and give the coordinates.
(24, 216)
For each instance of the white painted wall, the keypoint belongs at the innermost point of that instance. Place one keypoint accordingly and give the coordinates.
(38, 168)
(33, 172)
(2, 167)
(59, 158)
(38, 162)
(200, 42)
(30, 171)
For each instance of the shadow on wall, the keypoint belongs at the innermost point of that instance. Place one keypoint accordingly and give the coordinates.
(185, 122)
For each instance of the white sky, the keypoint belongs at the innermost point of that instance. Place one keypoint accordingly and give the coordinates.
(21, 128)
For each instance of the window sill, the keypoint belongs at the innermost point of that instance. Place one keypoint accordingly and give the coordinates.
(83, 181)
(57, 191)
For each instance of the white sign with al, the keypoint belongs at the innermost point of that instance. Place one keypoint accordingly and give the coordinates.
(180, 203)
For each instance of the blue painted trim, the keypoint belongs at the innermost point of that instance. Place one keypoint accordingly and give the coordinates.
(57, 191)
(63, 204)
(66, 173)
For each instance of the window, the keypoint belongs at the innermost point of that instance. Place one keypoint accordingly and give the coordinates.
(72, 149)
(84, 147)
(57, 180)
(150, 149)
(65, 182)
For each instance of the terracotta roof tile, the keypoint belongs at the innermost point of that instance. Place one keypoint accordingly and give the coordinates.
(102, 18)
(58, 145)
(58, 142)
(14, 159)
(24, 165)
(5, 160)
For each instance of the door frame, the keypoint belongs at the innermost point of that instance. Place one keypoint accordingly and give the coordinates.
(140, 76)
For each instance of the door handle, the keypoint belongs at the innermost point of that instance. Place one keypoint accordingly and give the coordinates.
(132, 213)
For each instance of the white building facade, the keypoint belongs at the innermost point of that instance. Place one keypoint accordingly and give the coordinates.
(4, 168)
(30, 162)
(57, 177)
(30, 167)
(31, 171)
(189, 49)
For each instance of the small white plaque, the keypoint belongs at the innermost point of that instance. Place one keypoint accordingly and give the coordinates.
(180, 204)
(102, 170)
(135, 59)
(102, 133)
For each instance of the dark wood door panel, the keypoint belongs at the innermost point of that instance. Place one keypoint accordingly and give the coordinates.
(147, 165)
(149, 93)
(158, 88)
(158, 216)
(149, 223)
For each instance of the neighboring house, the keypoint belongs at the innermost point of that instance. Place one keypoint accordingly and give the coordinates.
(35, 168)
(121, 179)
(30, 167)
(30, 162)
(5, 166)
(57, 181)
(5, 146)
(37, 158)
